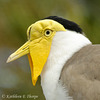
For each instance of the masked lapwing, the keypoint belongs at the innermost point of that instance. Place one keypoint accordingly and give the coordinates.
(66, 60)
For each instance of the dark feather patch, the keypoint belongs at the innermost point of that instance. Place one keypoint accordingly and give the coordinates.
(66, 23)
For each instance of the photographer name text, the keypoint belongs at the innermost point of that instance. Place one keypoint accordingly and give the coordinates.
(10, 96)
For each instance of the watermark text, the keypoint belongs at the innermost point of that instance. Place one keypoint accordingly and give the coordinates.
(18, 96)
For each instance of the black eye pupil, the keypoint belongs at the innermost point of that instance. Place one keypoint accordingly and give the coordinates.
(47, 32)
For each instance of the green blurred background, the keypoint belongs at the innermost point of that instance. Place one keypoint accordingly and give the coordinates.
(16, 16)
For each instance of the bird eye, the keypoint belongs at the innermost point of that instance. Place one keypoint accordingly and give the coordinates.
(48, 32)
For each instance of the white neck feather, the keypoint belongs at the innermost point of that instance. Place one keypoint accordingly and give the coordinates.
(64, 45)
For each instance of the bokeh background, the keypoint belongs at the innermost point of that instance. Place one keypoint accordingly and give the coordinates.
(16, 16)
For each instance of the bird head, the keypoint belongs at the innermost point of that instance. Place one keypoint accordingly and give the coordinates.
(40, 36)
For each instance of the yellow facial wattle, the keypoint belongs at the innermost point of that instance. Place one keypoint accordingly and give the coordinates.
(40, 36)
(38, 56)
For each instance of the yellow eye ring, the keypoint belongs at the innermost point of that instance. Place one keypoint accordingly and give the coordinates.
(48, 32)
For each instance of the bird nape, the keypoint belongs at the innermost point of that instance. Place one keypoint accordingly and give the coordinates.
(66, 60)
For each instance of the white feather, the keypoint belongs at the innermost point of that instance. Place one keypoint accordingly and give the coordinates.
(64, 45)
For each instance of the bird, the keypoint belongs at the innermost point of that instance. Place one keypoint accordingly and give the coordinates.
(67, 61)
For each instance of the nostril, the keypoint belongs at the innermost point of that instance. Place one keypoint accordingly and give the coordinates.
(25, 48)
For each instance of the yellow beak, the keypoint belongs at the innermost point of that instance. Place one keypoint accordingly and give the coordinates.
(38, 51)
(19, 53)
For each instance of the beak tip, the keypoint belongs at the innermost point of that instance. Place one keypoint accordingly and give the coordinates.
(8, 60)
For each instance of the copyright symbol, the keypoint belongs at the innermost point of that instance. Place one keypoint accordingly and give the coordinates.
(3, 95)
